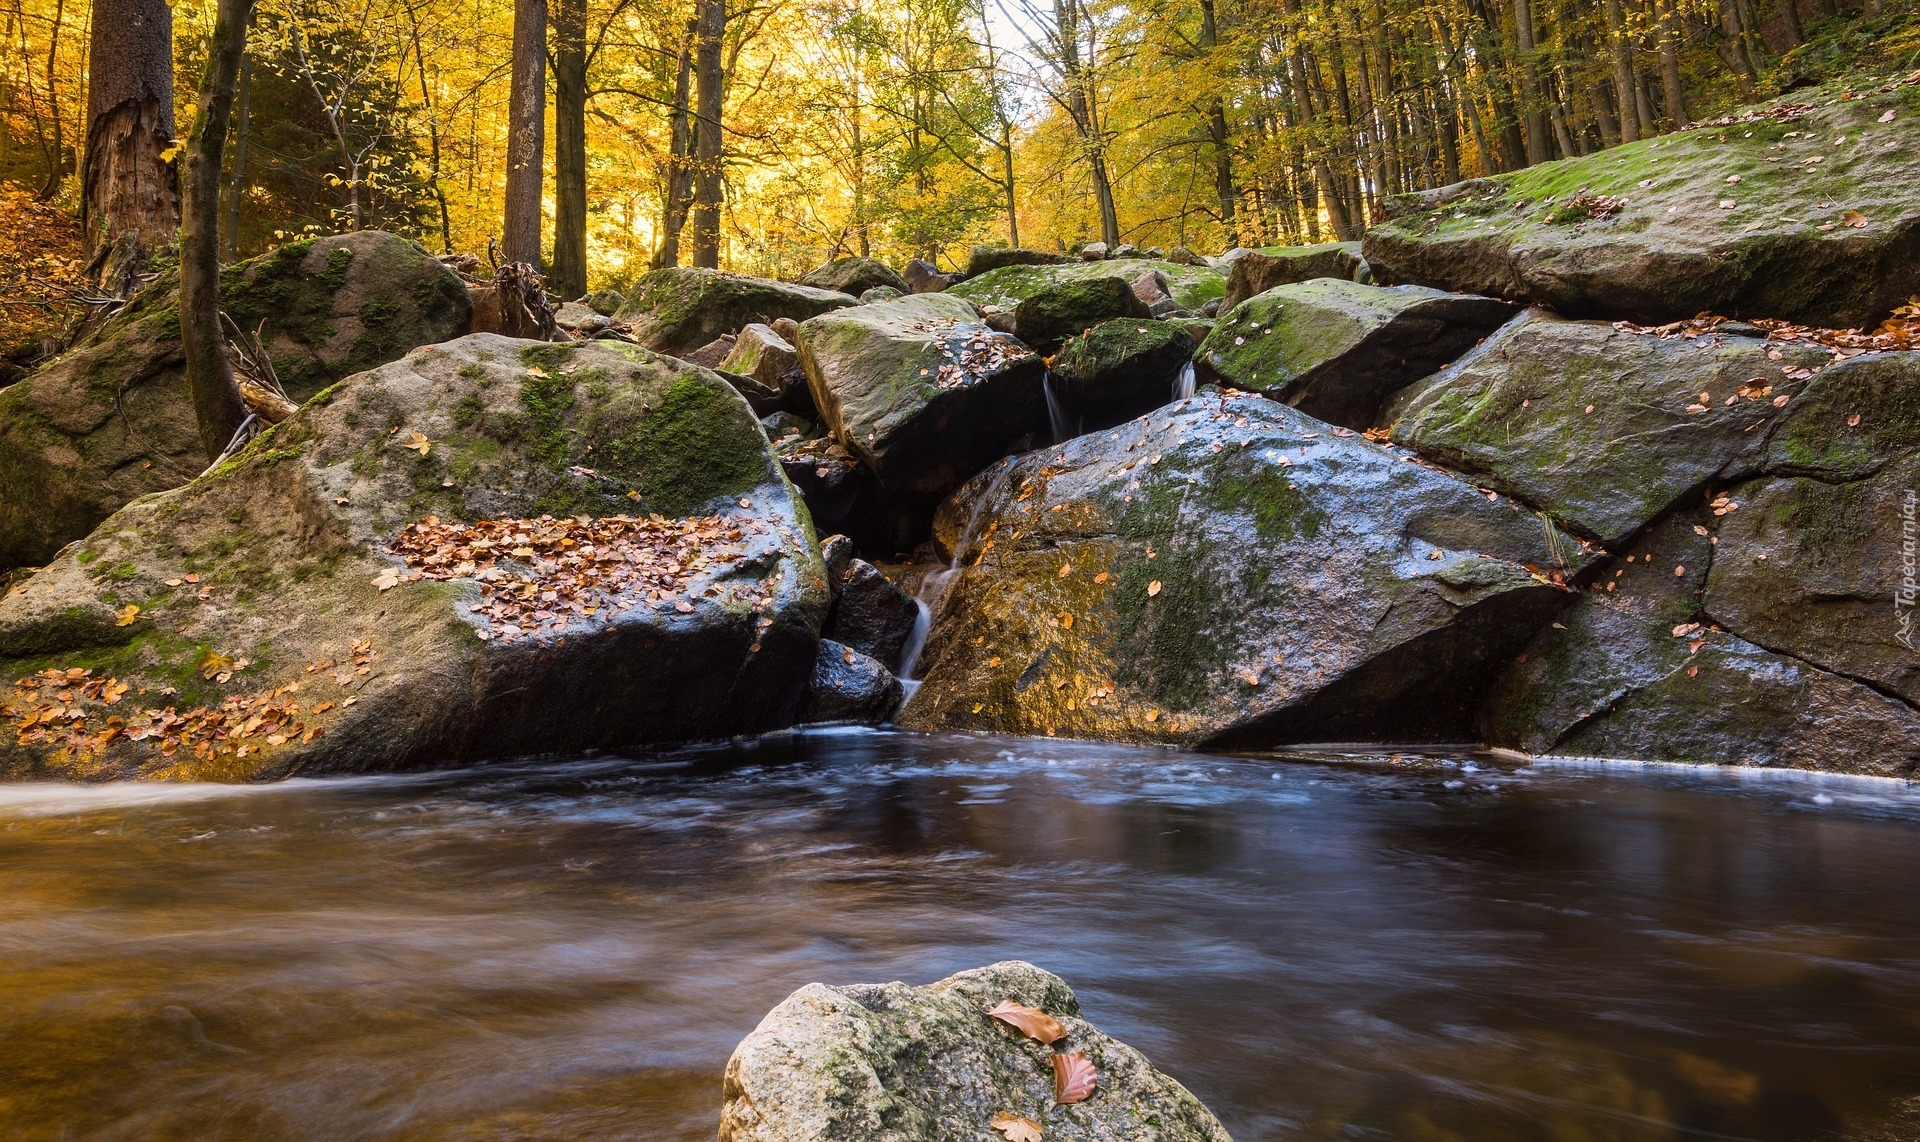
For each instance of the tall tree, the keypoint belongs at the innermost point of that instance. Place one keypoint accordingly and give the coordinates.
(216, 398)
(526, 133)
(130, 201)
(569, 275)
(677, 174)
(710, 77)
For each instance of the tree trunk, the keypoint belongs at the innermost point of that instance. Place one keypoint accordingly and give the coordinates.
(1631, 127)
(1530, 100)
(1081, 110)
(217, 404)
(57, 152)
(1218, 134)
(708, 140)
(1675, 92)
(433, 135)
(570, 149)
(130, 200)
(237, 185)
(526, 133)
(1790, 16)
(679, 189)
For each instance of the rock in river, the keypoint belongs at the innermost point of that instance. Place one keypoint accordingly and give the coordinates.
(111, 419)
(893, 1063)
(1230, 570)
(920, 390)
(390, 578)
(1810, 213)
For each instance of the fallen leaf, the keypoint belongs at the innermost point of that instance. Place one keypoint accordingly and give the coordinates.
(125, 615)
(1852, 422)
(1073, 1078)
(213, 664)
(1065, 569)
(1853, 219)
(418, 442)
(1885, 117)
(1014, 1128)
(1032, 1022)
(387, 580)
(1153, 588)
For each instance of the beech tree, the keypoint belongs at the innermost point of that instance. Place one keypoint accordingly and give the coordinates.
(526, 133)
(129, 199)
(710, 77)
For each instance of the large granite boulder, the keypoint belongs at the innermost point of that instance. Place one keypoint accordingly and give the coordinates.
(489, 548)
(1005, 288)
(1810, 214)
(1603, 429)
(920, 391)
(1046, 317)
(111, 419)
(1337, 350)
(1118, 370)
(1230, 571)
(1257, 271)
(893, 1063)
(855, 275)
(679, 309)
(765, 367)
(847, 686)
(984, 258)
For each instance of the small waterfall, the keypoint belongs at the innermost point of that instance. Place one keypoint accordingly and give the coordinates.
(1183, 384)
(1064, 426)
(933, 586)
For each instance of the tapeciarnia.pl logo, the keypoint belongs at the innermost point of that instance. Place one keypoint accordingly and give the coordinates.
(1908, 592)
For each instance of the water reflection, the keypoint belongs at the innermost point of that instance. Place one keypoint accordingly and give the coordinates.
(1432, 950)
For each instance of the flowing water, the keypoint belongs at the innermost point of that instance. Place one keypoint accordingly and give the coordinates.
(1183, 382)
(1429, 948)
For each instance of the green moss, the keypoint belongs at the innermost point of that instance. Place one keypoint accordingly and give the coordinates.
(1280, 512)
(468, 410)
(697, 444)
(547, 400)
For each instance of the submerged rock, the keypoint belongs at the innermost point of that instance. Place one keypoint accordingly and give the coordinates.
(1813, 216)
(1118, 370)
(272, 607)
(1192, 286)
(855, 275)
(1257, 271)
(112, 419)
(847, 686)
(921, 391)
(679, 309)
(893, 1063)
(1337, 350)
(1230, 571)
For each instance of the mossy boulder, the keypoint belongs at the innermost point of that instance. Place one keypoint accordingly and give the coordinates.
(1046, 317)
(1747, 220)
(920, 391)
(1229, 571)
(894, 1063)
(111, 419)
(985, 258)
(1337, 350)
(1257, 271)
(274, 579)
(1603, 429)
(679, 309)
(1118, 370)
(1004, 288)
(855, 275)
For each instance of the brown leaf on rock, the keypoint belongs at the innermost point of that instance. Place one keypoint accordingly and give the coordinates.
(1853, 219)
(1015, 1128)
(1032, 1022)
(1073, 1078)
(125, 616)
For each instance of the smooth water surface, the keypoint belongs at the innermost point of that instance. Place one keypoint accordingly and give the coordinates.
(1428, 949)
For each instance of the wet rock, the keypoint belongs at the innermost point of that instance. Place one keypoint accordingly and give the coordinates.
(893, 1063)
(1119, 369)
(880, 293)
(925, 277)
(678, 309)
(855, 275)
(1686, 237)
(920, 391)
(1337, 350)
(986, 258)
(1046, 317)
(1602, 429)
(847, 686)
(1230, 571)
(112, 419)
(1005, 288)
(274, 572)
(842, 496)
(872, 615)
(1257, 271)
(836, 552)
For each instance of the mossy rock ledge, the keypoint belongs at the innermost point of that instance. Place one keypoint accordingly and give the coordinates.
(1746, 220)
(1230, 571)
(921, 391)
(681, 308)
(277, 570)
(893, 1063)
(1257, 271)
(1007, 286)
(1118, 370)
(1337, 350)
(111, 419)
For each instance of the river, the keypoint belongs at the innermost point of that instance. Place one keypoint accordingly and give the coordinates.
(1435, 947)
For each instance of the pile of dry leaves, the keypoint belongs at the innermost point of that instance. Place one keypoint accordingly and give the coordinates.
(969, 356)
(548, 574)
(1900, 332)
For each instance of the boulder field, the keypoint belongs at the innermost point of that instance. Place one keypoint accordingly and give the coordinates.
(1423, 511)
